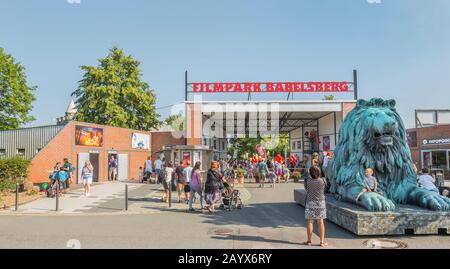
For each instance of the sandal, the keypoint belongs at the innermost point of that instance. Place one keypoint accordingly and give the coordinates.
(323, 244)
(307, 243)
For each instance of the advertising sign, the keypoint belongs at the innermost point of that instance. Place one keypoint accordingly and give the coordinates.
(88, 136)
(186, 156)
(239, 87)
(437, 141)
(140, 141)
(326, 143)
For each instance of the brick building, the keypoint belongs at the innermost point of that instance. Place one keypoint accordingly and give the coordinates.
(430, 140)
(78, 141)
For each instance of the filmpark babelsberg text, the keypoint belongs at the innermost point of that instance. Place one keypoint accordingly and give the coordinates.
(239, 87)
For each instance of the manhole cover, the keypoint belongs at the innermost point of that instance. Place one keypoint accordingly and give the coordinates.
(384, 244)
(223, 231)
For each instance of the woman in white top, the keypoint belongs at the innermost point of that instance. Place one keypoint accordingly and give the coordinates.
(86, 175)
(169, 171)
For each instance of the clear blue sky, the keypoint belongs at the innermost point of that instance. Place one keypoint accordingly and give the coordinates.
(400, 47)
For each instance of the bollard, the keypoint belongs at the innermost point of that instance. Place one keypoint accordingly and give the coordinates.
(126, 197)
(17, 197)
(170, 193)
(57, 195)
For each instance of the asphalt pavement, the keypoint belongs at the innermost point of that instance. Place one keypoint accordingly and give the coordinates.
(269, 219)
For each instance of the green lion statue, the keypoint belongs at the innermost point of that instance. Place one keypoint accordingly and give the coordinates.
(373, 136)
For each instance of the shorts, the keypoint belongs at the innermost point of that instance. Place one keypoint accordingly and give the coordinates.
(166, 184)
(187, 188)
(87, 181)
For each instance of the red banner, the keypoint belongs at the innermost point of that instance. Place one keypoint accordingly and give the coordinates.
(240, 87)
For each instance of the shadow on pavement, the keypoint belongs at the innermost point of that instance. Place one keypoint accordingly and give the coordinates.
(272, 215)
(252, 239)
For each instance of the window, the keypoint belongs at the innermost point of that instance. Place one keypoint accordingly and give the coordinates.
(223, 146)
(412, 139)
(205, 142)
(438, 159)
(448, 158)
(2, 152)
(215, 144)
(20, 152)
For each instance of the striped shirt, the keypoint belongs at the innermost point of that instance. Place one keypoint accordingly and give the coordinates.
(86, 173)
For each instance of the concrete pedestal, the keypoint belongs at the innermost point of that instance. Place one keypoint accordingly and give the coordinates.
(405, 220)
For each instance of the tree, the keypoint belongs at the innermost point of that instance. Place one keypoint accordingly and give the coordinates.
(114, 94)
(175, 121)
(246, 146)
(16, 97)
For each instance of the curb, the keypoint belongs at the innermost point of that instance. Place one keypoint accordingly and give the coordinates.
(245, 196)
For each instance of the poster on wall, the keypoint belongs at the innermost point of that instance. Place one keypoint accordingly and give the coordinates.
(197, 157)
(326, 143)
(88, 136)
(140, 141)
(186, 156)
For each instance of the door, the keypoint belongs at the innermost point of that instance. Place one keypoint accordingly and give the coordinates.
(94, 158)
(123, 167)
(82, 158)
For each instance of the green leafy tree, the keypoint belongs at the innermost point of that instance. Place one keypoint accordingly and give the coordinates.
(246, 146)
(175, 121)
(114, 94)
(16, 97)
(328, 97)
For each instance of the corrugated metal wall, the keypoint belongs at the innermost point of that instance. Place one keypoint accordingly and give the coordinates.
(30, 139)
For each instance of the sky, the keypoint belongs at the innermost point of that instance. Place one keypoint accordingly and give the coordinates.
(401, 48)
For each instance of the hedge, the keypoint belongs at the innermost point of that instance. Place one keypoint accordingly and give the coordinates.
(12, 171)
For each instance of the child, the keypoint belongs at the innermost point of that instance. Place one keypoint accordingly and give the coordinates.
(370, 183)
(141, 174)
(272, 177)
(285, 173)
(278, 171)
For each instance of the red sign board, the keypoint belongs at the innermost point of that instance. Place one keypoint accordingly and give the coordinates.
(240, 87)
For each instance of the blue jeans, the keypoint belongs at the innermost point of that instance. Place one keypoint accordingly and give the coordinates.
(192, 193)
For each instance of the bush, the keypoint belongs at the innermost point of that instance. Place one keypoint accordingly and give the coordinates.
(12, 171)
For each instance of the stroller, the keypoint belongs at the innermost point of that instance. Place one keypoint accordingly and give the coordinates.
(231, 198)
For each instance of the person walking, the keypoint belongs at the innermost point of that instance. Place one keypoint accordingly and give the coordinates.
(158, 166)
(263, 171)
(315, 209)
(148, 168)
(86, 175)
(196, 186)
(181, 180)
(167, 182)
(213, 187)
(187, 173)
(67, 178)
(54, 180)
(112, 168)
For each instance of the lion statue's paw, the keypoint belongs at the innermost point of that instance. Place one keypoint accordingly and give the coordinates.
(434, 201)
(375, 202)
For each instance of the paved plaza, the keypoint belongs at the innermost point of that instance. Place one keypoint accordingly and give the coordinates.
(270, 219)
